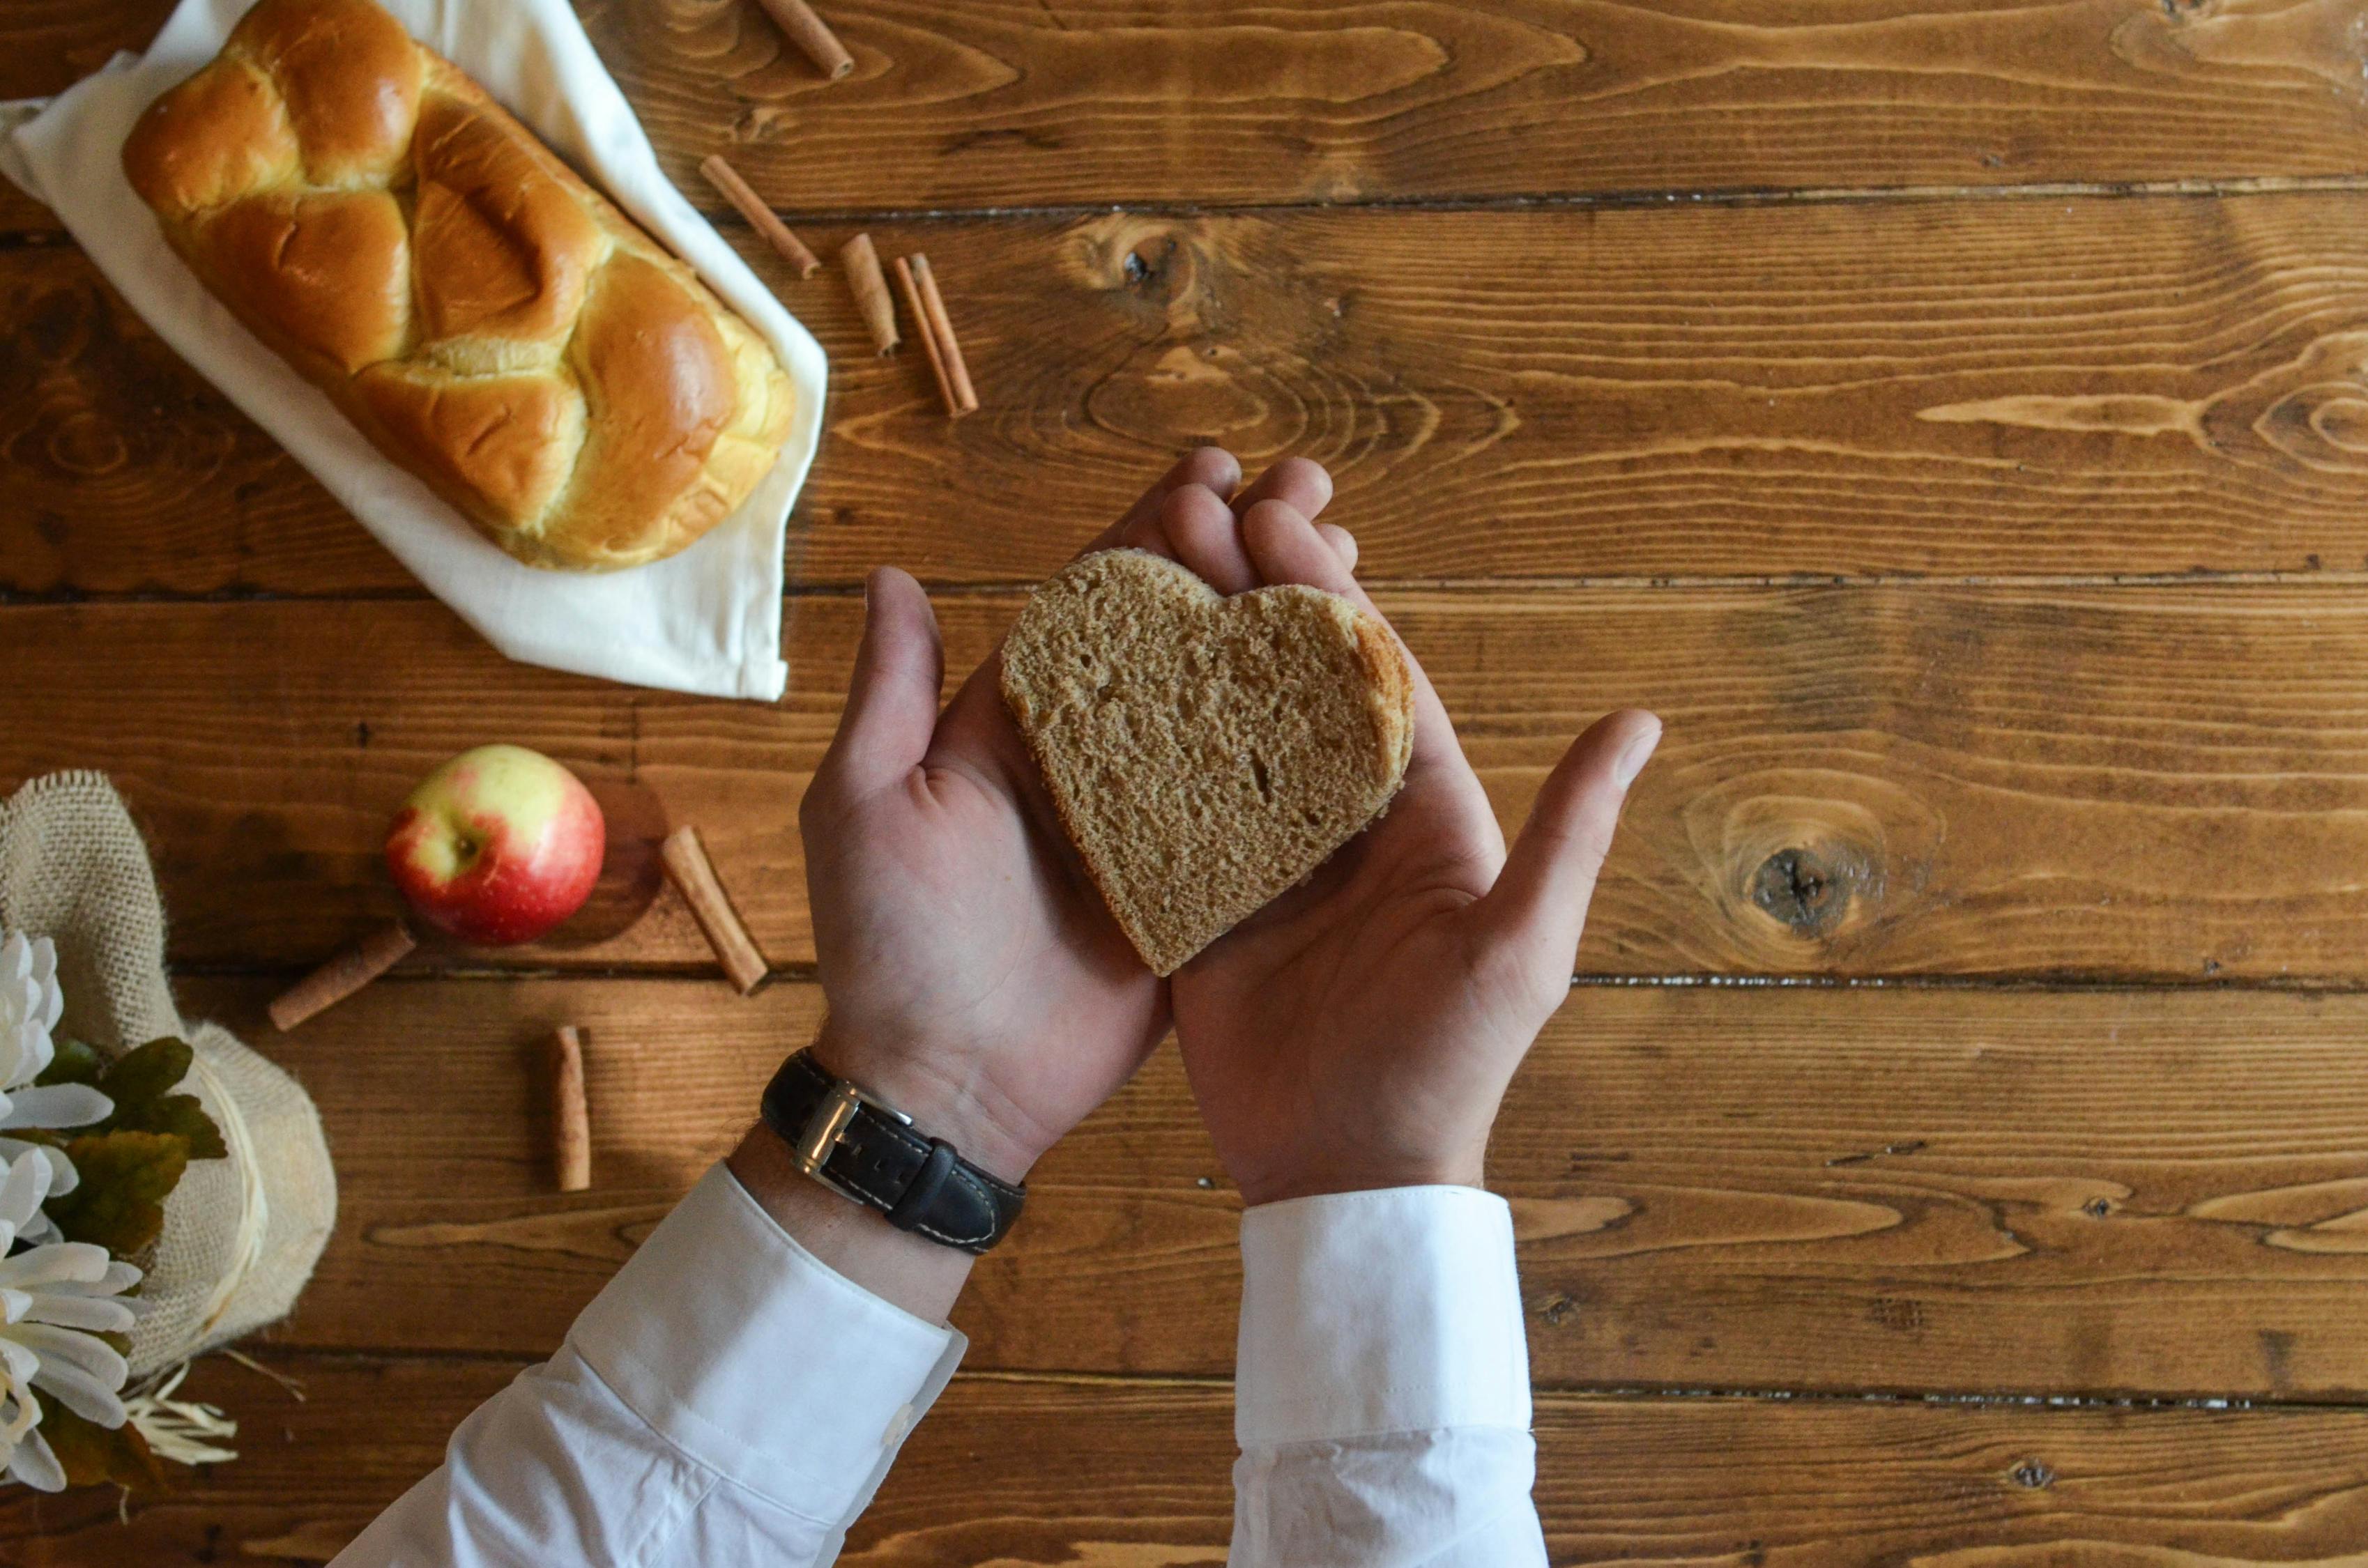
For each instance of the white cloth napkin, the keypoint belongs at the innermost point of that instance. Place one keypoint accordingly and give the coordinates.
(707, 620)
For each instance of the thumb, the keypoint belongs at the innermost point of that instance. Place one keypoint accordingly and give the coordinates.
(892, 703)
(1539, 904)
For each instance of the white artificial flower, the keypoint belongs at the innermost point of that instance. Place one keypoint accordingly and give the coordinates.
(55, 1300)
(30, 1004)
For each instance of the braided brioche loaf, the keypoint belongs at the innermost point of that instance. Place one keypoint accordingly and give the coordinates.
(487, 318)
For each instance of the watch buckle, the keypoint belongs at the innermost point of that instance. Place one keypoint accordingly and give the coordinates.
(819, 1139)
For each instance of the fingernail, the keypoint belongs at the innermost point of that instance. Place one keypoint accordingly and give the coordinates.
(1632, 761)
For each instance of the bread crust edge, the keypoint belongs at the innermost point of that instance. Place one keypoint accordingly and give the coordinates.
(1390, 698)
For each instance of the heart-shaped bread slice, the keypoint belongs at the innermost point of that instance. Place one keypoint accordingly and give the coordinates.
(1205, 753)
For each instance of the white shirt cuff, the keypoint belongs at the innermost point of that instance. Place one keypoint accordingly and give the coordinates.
(757, 1360)
(1369, 1312)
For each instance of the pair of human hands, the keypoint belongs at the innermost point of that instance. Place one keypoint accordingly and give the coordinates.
(1358, 1032)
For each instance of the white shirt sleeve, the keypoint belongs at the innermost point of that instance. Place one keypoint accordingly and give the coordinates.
(1382, 1386)
(728, 1398)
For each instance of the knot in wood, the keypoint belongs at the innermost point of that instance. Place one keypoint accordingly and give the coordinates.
(1803, 890)
(1156, 267)
(61, 326)
(2033, 1474)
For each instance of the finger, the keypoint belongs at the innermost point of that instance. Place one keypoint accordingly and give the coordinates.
(892, 703)
(1286, 548)
(1146, 533)
(1207, 539)
(977, 731)
(1539, 904)
(1193, 513)
(1343, 543)
(1213, 468)
(1301, 484)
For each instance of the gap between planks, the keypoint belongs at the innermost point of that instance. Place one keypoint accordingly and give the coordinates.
(1729, 196)
(1642, 1393)
(1717, 196)
(290, 1355)
(16, 599)
(660, 973)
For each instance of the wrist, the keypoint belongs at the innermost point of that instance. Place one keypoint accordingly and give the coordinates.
(937, 1091)
(855, 1242)
(1320, 1178)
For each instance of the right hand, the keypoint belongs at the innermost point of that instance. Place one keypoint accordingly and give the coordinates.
(1360, 1032)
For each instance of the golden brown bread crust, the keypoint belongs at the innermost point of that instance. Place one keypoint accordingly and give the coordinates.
(488, 320)
(1392, 690)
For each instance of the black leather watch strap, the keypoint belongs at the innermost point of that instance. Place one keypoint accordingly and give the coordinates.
(873, 1154)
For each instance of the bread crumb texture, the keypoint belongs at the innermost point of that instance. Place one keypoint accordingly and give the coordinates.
(1205, 753)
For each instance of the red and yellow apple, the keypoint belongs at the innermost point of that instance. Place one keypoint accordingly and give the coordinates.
(497, 846)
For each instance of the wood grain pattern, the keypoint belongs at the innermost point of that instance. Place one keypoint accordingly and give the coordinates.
(1709, 1482)
(310, 1474)
(1108, 100)
(2025, 320)
(1010, 104)
(2166, 783)
(50, 45)
(2142, 1193)
(1982, 388)
(993, 1478)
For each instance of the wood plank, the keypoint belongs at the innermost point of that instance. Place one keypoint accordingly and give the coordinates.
(46, 46)
(995, 1475)
(2166, 783)
(52, 44)
(1103, 101)
(1110, 100)
(310, 1474)
(1974, 388)
(1979, 1191)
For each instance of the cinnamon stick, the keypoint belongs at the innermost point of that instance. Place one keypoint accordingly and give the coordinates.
(863, 275)
(761, 218)
(354, 967)
(686, 867)
(941, 327)
(810, 33)
(929, 339)
(571, 1115)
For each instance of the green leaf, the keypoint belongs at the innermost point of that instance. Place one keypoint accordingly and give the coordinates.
(125, 1174)
(73, 1063)
(130, 1160)
(140, 1083)
(176, 1116)
(89, 1453)
(147, 1073)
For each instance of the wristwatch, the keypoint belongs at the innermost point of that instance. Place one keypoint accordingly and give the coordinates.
(866, 1150)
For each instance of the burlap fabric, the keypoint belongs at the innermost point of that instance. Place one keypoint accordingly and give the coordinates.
(242, 1234)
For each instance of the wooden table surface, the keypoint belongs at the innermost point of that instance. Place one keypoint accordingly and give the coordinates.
(1951, 414)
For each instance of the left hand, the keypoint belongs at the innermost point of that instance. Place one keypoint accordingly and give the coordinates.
(975, 979)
